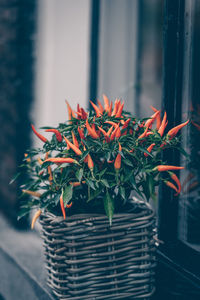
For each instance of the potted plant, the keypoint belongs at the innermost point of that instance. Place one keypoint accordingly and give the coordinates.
(99, 241)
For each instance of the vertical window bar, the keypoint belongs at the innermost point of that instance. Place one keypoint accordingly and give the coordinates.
(138, 57)
(173, 39)
(94, 49)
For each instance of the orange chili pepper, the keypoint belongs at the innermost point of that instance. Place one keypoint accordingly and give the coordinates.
(97, 110)
(143, 135)
(73, 147)
(61, 160)
(171, 185)
(116, 106)
(114, 132)
(35, 217)
(158, 118)
(117, 163)
(105, 134)
(91, 131)
(106, 103)
(109, 131)
(81, 133)
(150, 121)
(69, 205)
(77, 183)
(118, 133)
(149, 149)
(90, 162)
(39, 160)
(100, 106)
(75, 141)
(175, 178)
(41, 137)
(50, 174)
(110, 109)
(120, 109)
(163, 125)
(162, 168)
(111, 123)
(32, 193)
(57, 133)
(70, 111)
(62, 206)
(28, 159)
(173, 132)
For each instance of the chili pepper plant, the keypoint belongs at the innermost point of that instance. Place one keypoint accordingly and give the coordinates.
(96, 160)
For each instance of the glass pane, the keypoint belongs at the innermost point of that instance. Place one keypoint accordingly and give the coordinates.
(189, 204)
(130, 56)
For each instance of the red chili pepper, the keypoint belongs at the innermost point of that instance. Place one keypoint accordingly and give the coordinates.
(41, 137)
(73, 147)
(84, 114)
(126, 124)
(91, 131)
(106, 103)
(75, 141)
(119, 112)
(114, 132)
(97, 110)
(163, 125)
(62, 207)
(173, 132)
(100, 106)
(171, 185)
(105, 134)
(162, 168)
(196, 125)
(117, 163)
(149, 149)
(61, 160)
(57, 133)
(81, 133)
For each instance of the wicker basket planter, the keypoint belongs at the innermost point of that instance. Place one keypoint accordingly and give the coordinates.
(88, 259)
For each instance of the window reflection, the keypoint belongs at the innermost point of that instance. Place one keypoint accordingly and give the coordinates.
(189, 204)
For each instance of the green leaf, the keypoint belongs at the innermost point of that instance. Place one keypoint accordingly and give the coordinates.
(109, 207)
(105, 182)
(128, 162)
(23, 212)
(93, 194)
(79, 174)
(90, 183)
(122, 192)
(67, 194)
(14, 178)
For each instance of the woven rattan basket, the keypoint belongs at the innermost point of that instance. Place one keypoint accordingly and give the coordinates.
(88, 259)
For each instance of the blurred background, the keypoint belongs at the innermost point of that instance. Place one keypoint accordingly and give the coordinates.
(144, 51)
